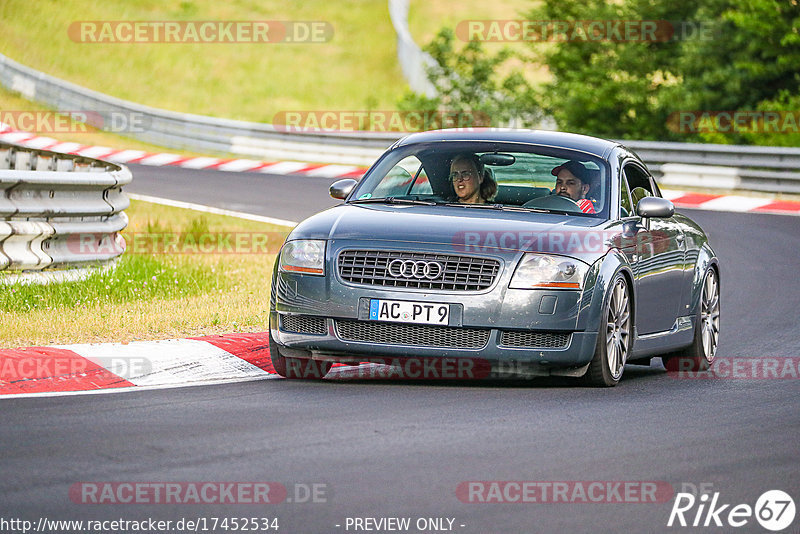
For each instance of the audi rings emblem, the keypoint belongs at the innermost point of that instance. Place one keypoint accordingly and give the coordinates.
(419, 269)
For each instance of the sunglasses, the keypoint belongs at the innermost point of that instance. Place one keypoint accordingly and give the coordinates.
(462, 176)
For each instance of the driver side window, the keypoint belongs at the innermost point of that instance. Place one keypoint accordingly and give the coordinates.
(638, 183)
(625, 200)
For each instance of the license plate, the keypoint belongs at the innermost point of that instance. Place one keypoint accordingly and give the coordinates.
(403, 311)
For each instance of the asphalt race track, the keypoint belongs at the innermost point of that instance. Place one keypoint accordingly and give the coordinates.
(401, 449)
(283, 197)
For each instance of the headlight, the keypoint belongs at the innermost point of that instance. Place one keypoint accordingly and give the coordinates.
(304, 256)
(544, 271)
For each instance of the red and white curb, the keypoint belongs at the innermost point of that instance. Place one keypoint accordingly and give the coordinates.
(318, 170)
(681, 199)
(96, 367)
(120, 367)
(733, 203)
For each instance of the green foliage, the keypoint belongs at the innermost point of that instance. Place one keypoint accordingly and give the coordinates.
(789, 104)
(753, 64)
(747, 57)
(610, 88)
(467, 81)
(754, 55)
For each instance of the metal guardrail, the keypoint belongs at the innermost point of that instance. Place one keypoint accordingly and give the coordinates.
(770, 169)
(59, 210)
(733, 167)
(194, 132)
(742, 156)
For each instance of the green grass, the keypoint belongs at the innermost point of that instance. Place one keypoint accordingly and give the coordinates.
(357, 69)
(136, 277)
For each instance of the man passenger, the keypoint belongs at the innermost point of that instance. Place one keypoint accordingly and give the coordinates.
(573, 181)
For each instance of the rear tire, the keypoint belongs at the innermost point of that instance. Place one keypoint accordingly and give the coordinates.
(699, 356)
(296, 367)
(613, 337)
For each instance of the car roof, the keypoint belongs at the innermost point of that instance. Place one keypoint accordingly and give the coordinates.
(583, 143)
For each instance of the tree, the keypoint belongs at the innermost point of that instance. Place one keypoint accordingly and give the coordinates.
(610, 88)
(752, 64)
(467, 82)
(746, 57)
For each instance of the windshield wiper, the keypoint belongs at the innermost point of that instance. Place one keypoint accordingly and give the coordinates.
(395, 200)
(534, 210)
(506, 207)
(478, 206)
(537, 209)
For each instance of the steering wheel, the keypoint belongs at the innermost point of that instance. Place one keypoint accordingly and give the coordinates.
(556, 202)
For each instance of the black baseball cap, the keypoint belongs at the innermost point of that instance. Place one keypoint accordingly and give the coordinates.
(576, 168)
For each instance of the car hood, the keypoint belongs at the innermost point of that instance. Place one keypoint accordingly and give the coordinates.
(466, 229)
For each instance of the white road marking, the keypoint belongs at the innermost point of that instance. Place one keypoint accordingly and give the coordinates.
(211, 209)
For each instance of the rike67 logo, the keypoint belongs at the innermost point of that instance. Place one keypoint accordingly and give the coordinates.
(774, 510)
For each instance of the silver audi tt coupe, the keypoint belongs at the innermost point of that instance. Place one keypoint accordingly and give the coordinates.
(495, 253)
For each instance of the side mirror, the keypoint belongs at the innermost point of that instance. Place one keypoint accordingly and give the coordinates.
(655, 207)
(342, 188)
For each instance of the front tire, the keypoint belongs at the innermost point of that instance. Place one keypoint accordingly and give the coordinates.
(699, 356)
(613, 337)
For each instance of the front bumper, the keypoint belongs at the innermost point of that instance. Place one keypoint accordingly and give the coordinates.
(332, 344)
(481, 323)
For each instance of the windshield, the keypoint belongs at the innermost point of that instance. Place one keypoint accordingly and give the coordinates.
(494, 176)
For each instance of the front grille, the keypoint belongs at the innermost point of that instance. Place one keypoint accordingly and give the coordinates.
(460, 273)
(535, 340)
(407, 334)
(304, 324)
